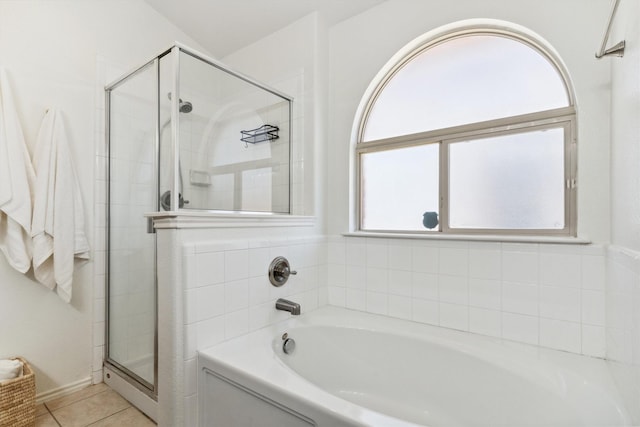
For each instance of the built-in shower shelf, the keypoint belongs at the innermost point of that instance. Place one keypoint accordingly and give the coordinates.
(261, 134)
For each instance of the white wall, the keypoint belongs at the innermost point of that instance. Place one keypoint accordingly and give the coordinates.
(293, 60)
(51, 50)
(359, 48)
(625, 129)
(623, 266)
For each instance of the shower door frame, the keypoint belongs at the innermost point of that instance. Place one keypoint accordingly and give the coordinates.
(149, 389)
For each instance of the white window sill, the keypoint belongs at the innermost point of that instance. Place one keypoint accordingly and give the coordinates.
(200, 219)
(476, 237)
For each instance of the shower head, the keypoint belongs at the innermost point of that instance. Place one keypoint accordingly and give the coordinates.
(183, 106)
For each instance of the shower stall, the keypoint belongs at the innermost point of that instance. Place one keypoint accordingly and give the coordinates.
(185, 135)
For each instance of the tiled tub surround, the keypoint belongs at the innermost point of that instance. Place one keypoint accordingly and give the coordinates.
(623, 324)
(551, 295)
(224, 292)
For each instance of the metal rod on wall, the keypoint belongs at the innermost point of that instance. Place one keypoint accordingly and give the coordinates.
(618, 49)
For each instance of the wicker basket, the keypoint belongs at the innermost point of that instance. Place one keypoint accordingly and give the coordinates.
(18, 399)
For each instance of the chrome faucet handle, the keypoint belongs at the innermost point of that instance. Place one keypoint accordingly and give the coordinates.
(286, 271)
(279, 271)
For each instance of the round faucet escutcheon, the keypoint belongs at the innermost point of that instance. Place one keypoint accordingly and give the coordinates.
(279, 271)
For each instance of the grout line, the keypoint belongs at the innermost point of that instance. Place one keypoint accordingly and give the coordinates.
(52, 416)
(75, 401)
(109, 416)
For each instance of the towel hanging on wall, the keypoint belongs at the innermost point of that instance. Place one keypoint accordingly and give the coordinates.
(16, 183)
(58, 215)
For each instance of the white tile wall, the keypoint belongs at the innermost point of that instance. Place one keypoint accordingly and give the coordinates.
(550, 295)
(227, 292)
(622, 320)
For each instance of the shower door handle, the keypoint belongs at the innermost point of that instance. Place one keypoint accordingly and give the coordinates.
(150, 228)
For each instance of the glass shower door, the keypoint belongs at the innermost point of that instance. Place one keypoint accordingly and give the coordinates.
(131, 309)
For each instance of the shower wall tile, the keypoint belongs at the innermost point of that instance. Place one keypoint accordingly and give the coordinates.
(377, 253)
(425, 259)
(485, 293)
(400, 282)
(259, 291)
(593, 272)
(355, 299)
(210, 332)
(236, 295)
(227, 293)
(356, 277)
(424, 286)
(454, 316)
(209, 301)
(258, 258)
(236, 323)
(425, 311)
(356, 251)
(520, 267)
(515, 291)
(399, 256)
(377, 303)
(622, 321)
(485, 263)
(560, 269)
(453, 289)
(594, 341)
(453, 261)
(593, 308)
(560, 335)
(518, 327)
(400, 307)
(377, 279)
(560, 303)
(485, 322)
(337, 296)
(520, 298)
(210, 268)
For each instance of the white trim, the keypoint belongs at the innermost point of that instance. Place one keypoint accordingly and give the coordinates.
(169, 220)
(63, 391)
(138, 398)
(476, 238)
(418, 46)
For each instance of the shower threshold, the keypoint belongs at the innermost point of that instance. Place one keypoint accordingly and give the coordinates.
(120, 383)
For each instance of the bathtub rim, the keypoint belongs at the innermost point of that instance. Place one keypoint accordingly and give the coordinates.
(264, 368)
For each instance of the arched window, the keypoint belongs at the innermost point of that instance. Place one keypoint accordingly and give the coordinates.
(473, 132)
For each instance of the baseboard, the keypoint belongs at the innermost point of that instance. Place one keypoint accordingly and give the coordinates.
(62, 391)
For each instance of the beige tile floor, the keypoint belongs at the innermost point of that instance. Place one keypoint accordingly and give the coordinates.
(95, 406)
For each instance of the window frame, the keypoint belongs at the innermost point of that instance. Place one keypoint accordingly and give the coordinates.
(564, 117)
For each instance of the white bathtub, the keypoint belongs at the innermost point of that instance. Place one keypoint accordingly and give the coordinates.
(351, 368)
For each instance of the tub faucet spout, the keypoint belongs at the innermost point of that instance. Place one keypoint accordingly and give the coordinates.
(286, 305)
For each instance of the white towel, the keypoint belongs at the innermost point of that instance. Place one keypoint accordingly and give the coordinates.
(10, 369)
(58, 215)
(16, 183)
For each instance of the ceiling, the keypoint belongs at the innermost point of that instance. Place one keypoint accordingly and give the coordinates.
(224, 26)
